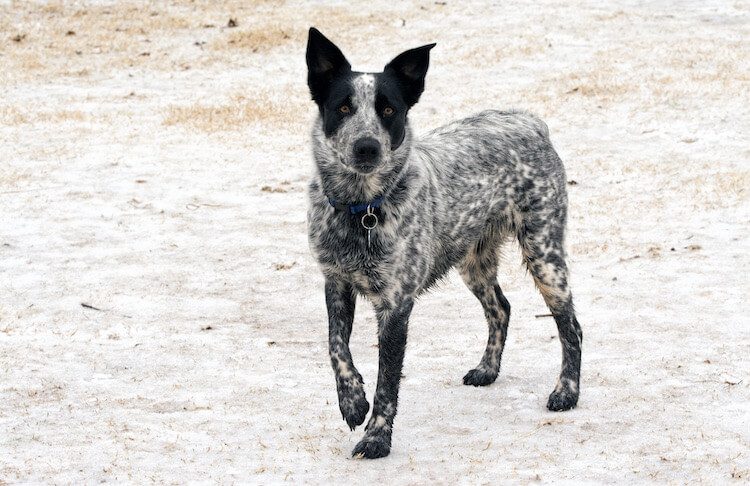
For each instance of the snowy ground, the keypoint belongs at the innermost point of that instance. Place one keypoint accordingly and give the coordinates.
(153, 164)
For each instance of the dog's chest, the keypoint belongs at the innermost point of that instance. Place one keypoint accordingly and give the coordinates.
(342, 250)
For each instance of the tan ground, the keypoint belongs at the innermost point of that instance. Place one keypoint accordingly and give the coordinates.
(153, 164)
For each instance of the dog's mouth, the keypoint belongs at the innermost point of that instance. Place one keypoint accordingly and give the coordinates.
(362, 168)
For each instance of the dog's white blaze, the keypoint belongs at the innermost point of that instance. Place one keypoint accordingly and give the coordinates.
(366, 123)
(364, 101)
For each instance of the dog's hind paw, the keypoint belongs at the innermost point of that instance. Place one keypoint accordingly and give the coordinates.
(561, 400)
(372, 447)
(354, 408)
(480, 377)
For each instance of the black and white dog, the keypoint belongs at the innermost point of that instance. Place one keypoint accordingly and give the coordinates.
(390, 215)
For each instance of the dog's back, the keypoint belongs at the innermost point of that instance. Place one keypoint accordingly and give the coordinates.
(493, 174)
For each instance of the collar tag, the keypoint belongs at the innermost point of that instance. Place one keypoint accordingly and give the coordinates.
(369, 222)
(370, 219)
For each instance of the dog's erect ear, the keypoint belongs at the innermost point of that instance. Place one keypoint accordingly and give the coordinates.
(410, 68)
(324, 62)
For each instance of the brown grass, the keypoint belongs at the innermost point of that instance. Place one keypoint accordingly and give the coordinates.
(65, 39)
(73, 40)
(11, 177)
(716, 191)
(260, 39)
(660, 74)
(240, 112)
(12, 115)
(281, 27)
(521, 47)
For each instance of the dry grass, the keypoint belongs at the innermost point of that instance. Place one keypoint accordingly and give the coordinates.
(12, 177)
(265, 110)
(60, 39)
(717, 191)
(12, 115)
(261, 39)
(659, 74)
(678, 180)
(521, 46)
(66, 39)
(280, 28)
(73, 40)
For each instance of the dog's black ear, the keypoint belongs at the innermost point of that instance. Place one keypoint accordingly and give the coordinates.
(324, 62)
(410, 68)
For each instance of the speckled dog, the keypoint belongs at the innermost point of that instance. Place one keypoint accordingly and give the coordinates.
(390, 215)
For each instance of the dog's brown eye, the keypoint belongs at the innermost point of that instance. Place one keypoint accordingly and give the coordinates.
(388, 111)
(344, 109)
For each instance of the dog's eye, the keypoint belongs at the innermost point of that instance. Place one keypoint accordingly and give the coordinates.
(388, 111)
(344, 109)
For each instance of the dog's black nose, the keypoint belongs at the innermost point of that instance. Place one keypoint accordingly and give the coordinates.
(366, 151)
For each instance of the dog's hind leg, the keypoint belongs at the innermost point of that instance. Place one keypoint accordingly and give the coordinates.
(340, 301)
(479, 271)
(542, 247)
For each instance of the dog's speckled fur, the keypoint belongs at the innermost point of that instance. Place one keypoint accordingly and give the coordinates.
(452, 197)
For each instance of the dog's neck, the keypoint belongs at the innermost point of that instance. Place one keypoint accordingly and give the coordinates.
(352, 188)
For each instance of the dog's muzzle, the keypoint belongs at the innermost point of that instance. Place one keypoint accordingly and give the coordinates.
(366, 154)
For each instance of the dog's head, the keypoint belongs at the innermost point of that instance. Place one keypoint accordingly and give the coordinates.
(363, 115)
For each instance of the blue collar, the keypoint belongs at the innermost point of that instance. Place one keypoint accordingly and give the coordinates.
(356, 207)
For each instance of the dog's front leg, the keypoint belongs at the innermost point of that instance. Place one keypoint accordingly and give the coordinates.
(340, 300)
(393, 325)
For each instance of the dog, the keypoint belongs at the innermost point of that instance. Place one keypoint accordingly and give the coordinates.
(389, 215)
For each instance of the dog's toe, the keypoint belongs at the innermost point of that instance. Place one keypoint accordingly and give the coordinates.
(480, 377)
(354, 409)
(372, 447)
(560, 400)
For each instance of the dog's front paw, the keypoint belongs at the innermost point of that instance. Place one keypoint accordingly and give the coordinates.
(480, 377)
(373, 446)
(563, 398)
(353, 404)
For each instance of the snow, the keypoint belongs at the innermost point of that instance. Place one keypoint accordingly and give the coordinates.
(167, 190)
